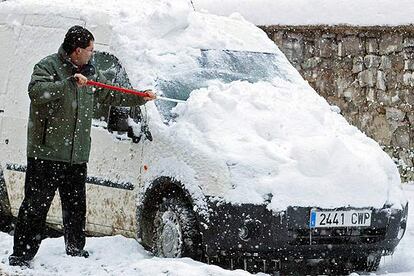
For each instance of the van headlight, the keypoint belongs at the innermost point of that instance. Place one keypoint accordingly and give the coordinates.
(244, 232)
(249, 229)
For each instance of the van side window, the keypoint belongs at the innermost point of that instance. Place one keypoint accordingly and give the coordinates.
(111, 68)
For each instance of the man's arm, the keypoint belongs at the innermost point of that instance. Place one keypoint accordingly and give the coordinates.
(115, 98)
(43, 88)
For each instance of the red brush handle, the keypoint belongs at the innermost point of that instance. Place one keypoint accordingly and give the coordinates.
(120, 89)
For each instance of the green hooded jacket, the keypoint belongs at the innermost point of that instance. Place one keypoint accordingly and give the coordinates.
(61, 113)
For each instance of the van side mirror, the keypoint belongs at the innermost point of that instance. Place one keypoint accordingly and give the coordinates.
(144, 132)
(118, 121)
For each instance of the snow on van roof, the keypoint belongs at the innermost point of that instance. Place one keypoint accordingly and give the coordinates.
(279, 140)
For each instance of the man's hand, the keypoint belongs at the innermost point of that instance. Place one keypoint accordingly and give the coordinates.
(151, 95)
(80, 79)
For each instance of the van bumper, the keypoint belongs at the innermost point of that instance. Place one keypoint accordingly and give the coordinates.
(249, 230)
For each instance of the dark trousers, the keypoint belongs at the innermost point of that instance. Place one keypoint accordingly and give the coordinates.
(43, 177)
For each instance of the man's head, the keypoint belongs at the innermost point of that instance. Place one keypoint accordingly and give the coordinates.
(79, 45)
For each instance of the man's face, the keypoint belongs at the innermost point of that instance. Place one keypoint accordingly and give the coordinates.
(82, 56)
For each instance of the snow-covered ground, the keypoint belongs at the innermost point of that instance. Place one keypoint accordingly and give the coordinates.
(122, 256)
(308, 12)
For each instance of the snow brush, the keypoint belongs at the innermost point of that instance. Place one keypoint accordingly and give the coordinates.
(129, 91)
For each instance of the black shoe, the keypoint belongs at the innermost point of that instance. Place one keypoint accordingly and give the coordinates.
(78, 253)
(18, 261)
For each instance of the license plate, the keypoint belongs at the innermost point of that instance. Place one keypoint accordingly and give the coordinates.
(320, 219)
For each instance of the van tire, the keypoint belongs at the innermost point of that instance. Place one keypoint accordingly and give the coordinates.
(175, 232)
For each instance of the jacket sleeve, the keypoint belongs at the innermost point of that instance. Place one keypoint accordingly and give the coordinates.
(115, 98)
(43, 88)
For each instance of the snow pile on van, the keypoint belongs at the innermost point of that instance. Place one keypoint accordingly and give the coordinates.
(279, 141)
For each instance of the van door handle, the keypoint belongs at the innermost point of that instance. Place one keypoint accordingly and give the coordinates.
(1, 111)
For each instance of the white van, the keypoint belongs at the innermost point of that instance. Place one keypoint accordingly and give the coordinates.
(254, 169)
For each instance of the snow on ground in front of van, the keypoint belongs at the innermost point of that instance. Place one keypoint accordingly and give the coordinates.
(123, 256)
(115, 255)
(279, 141)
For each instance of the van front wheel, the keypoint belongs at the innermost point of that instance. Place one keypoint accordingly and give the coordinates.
(175, 231)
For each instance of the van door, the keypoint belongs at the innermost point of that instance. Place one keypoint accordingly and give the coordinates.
(115, 162)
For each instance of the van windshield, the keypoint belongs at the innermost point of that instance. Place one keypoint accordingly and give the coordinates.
(222, 65)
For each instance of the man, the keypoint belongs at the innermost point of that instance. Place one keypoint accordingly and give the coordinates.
(61, 111)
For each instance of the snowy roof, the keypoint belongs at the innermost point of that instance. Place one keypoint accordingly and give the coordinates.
(311, 12)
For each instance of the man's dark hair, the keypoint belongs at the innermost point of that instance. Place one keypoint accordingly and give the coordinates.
(77, 36)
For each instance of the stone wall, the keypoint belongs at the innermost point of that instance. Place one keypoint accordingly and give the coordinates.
(366, 71)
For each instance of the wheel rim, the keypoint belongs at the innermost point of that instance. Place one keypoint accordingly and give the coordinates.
(169, 242)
